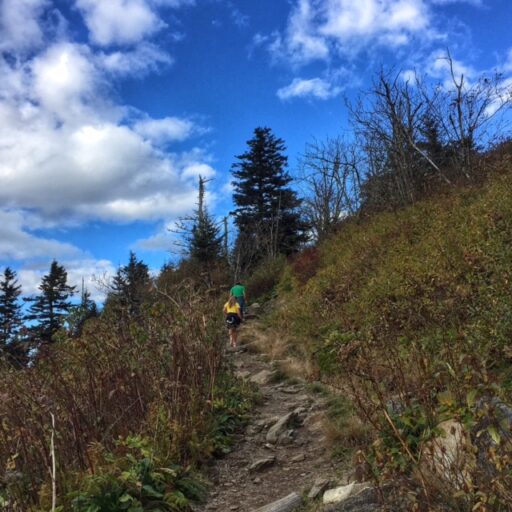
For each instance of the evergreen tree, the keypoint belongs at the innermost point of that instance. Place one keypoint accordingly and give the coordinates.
(267, 210)
(205, 244)
(86, 310)
(200, 236)
(10, 308)
(49, 309)
(130, 286)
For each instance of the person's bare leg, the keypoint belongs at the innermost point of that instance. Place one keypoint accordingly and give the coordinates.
(235, 337)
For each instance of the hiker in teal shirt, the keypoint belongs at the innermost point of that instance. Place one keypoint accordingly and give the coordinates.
(238, 291)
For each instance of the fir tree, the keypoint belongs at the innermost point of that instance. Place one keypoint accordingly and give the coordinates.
(49, 309)
(84, 311)
(200, 236)
(130, 286)
(205, 244)
(10, 308)
(266, 208)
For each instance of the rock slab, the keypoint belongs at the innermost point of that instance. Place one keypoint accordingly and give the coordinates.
(282, 427)
(286, 504)
(262, 464)
(318, 488)
(262, 378)
(340, 494)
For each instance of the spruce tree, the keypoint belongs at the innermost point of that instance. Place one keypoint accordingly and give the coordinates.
(130, 286)
(49, 309)
(267, 209)
(205, 245)
(84, 311)
(10, 308)
(199, 234)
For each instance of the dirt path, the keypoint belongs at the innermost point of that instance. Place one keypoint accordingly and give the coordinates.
(291, 457)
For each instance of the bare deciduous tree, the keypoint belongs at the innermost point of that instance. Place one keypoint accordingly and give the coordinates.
(469, 114)
(389, 123)
(415, 132)
(331, 181)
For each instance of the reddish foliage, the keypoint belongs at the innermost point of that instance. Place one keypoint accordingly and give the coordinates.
(305, 264)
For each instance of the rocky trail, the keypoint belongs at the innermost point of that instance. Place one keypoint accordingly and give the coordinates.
(283, 460)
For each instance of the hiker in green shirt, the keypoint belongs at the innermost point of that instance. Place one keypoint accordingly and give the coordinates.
(238, 291)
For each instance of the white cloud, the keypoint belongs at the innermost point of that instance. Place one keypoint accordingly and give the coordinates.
(161, 131)
(303, 43)
(17, 243)
(320, 30)
(64, 82)
(314, 87)
(94, 171)
(438, 67)
(163, 241)
(119, 21)
(196, 169)
(20, 27)
(345, 20)
(68, 151)
(124, 22)
(145, 58)
(155, 206)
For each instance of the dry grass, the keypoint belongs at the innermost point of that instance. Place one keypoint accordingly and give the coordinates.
(257, 338)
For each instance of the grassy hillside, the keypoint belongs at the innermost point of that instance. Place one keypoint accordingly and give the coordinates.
(411, 314)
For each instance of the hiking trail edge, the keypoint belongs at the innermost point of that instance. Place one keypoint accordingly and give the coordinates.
(283, 449)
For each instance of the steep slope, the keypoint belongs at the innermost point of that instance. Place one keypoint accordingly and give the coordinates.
(411, 313)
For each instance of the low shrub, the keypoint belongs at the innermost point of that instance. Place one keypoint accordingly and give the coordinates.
(264, 279)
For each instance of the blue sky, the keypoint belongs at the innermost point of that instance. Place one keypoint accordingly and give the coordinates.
(110, 109)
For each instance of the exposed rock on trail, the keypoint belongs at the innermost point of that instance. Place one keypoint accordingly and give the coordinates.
(283, 453)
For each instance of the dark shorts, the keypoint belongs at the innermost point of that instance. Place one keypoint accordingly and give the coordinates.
(232, 321)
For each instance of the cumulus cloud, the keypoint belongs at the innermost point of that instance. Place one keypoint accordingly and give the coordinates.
(345, 20)
(303, 41)
(68, 150)
(20, 25)
(102, 170)
(63, 81)
(124, 22)
(17, 243)
(165, 130)
(314, 88)
(320, 30)
(119, 21)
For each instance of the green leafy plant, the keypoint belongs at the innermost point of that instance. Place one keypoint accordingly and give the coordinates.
(137, 482)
